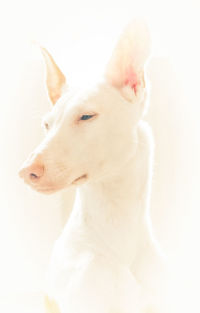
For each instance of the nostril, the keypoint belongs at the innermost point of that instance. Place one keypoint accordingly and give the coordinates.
(33, 176)
(36, 172)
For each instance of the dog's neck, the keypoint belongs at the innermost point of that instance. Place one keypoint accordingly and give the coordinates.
(117, 208)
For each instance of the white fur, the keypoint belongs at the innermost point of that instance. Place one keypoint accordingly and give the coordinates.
(106, 259)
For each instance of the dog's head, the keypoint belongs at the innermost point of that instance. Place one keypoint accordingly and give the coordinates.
(90, 132)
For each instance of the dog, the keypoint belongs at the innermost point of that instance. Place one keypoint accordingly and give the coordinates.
(106, 260)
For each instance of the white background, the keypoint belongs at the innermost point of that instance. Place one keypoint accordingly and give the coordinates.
(80, 35)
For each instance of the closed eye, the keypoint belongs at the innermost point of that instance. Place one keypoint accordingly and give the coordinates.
(86, 117)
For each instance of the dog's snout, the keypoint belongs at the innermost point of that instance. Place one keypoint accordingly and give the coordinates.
(33, 172)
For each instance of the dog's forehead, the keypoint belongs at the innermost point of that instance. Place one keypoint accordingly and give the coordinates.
(84, 97)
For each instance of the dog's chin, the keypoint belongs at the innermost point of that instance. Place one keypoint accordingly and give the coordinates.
(53, 189)
(48, 191)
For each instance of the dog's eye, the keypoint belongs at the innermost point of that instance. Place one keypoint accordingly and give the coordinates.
(86, 117)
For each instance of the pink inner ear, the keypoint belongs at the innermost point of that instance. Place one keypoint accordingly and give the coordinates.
(131, 78)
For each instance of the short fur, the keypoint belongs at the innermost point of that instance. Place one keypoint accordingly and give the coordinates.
(106, 259)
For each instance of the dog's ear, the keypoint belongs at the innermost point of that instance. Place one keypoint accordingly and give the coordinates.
(55, 79)
(126, 66)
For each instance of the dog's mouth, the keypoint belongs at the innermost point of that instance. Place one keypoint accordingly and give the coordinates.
(49, 190)
(80, 179)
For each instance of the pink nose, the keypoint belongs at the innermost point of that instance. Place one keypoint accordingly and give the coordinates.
(32, 173)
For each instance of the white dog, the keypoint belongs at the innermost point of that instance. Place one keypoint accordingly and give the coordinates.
(106, 260)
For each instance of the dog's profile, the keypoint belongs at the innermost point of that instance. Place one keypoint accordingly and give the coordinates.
(106, 259)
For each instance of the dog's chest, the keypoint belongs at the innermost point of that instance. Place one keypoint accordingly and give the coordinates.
(70, 261)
